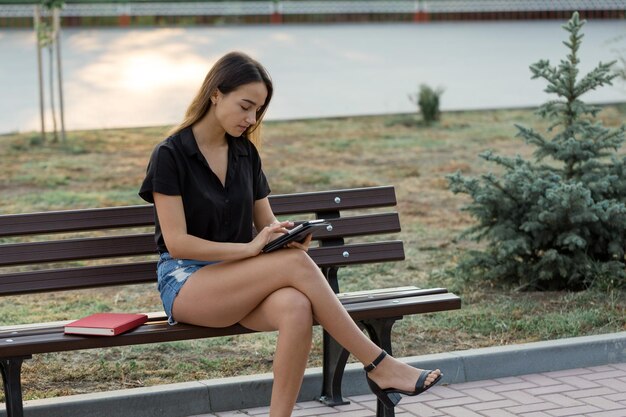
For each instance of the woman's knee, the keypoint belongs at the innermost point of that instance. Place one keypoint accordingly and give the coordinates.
(298, 262)
(295, 308)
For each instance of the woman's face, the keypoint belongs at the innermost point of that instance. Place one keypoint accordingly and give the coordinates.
(238, 110)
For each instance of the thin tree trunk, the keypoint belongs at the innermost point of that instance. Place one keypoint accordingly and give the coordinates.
(57, 41)
(52, 107)
(36, 23)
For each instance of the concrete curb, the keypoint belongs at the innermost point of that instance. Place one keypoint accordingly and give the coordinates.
(201, 397)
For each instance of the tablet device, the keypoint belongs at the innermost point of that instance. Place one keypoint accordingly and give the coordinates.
(298, 233)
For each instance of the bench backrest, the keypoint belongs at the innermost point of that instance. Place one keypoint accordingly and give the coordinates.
(87, 260)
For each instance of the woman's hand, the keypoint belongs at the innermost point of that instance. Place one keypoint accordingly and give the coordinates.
(267, 234)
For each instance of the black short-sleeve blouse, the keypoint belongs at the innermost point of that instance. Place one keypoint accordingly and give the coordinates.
(216, 212)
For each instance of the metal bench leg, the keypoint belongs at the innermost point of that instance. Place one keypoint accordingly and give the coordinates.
(331, 277)
(11, 376)
(380, 333)
(335, 359)
(335, 356)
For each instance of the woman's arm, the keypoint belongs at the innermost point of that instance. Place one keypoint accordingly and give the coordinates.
(182, 245)
(264, 216)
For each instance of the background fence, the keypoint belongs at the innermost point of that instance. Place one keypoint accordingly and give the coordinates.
(19, 12)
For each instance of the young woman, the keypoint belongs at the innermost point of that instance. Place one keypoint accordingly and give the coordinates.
(209, 190)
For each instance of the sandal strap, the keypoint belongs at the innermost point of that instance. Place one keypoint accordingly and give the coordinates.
(422, 379)
(375, 363)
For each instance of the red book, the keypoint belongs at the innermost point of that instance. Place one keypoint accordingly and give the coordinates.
(105, 324)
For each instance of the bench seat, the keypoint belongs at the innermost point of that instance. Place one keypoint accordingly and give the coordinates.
(49, 337)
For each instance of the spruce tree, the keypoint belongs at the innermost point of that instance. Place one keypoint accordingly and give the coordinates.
(559, 220)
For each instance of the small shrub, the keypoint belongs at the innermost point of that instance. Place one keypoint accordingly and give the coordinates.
(35, 140)
(428, 102)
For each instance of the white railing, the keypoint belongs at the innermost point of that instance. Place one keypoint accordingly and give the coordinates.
(340, 7)
(231, 8)
(16, 10)
(235, 8)
(149, 9)
(482, 6)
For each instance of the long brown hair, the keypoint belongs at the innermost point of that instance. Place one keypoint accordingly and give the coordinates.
(230, 72)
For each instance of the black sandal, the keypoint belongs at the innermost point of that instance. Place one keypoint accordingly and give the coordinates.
(391, 396)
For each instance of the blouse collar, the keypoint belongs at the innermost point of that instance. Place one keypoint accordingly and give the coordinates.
(236, 146)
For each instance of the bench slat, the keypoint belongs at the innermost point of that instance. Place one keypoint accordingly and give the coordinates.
(53, 340)
(143, 244)
(142, 272)
(142, 215)
(77, 278)
(77, 249)
(386, 294)
(359, 253)
(75, 220)
(404, 306)
(361, 225)
(322, 201)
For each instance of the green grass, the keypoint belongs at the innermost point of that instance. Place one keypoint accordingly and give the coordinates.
(106, 167)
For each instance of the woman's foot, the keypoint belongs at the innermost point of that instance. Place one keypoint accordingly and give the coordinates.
(391, 373)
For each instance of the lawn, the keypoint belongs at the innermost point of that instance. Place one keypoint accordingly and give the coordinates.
(105, 168)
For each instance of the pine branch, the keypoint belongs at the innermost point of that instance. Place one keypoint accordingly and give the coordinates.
(610, 139)
(598, 77)
(490, 180)
(544, 147)
(508, 163)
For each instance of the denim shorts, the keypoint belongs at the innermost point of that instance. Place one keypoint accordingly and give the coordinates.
(172, 275)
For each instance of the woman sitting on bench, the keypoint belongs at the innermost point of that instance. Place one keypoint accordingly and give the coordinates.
(208, 189)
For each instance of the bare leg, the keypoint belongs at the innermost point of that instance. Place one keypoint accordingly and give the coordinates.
(288, 311)
(223, 294)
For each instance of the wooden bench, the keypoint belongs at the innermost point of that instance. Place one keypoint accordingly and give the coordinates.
(21, 273)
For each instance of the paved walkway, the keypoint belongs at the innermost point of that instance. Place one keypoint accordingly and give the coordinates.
(591, 392)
